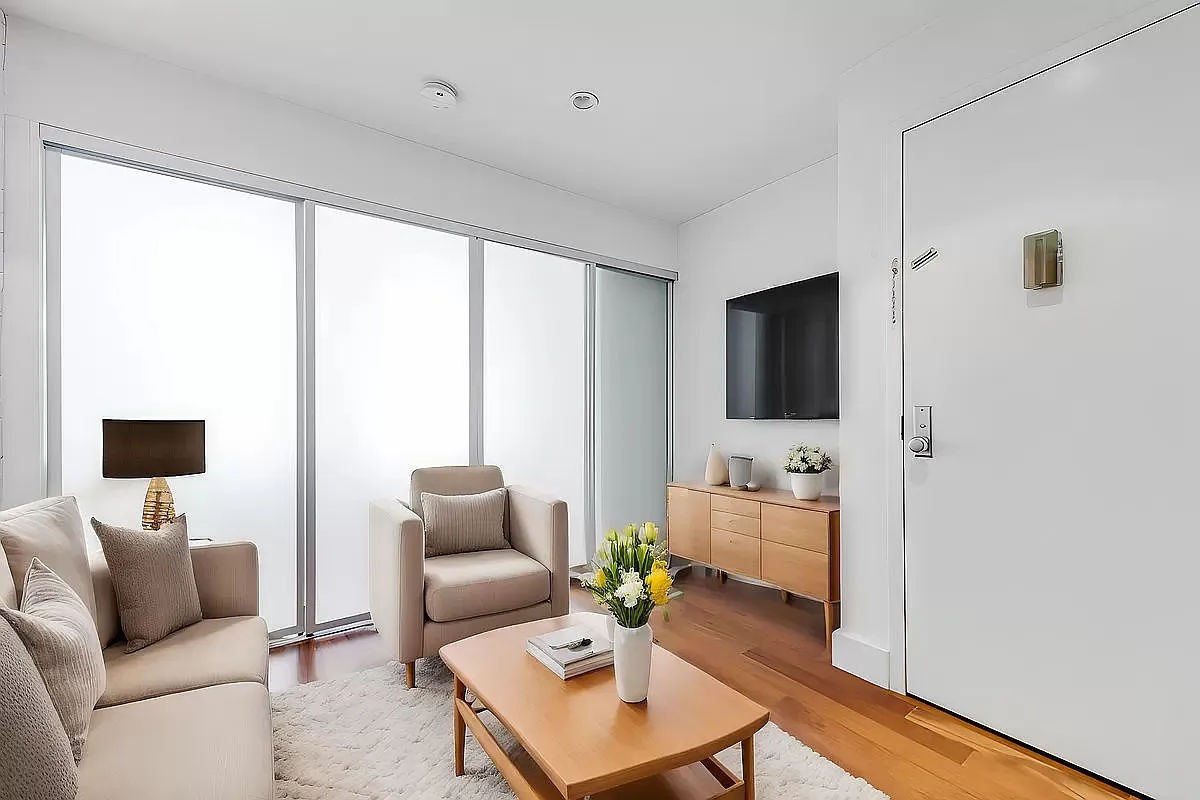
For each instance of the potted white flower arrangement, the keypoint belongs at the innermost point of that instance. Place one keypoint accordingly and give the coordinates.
(629, 579)
(806, 464)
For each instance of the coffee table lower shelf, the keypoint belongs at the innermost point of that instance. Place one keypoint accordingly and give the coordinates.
(707, 779)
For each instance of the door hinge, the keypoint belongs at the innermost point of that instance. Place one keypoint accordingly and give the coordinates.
(902, 427)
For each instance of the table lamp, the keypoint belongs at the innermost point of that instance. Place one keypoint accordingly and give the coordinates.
(154, 449)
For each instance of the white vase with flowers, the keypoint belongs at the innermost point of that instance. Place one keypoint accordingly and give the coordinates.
(629, 579)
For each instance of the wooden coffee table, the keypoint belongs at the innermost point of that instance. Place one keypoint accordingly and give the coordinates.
(577, 739)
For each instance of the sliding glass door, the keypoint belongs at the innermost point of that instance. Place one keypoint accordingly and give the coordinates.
(329, 353)
(535, 375)
(631, 416)
(392, 376)
(178, 301)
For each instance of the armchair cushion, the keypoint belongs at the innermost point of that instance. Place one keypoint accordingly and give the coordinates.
(467, 585)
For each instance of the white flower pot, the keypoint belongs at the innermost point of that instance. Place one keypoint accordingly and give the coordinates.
(631, 660)
(807, 485)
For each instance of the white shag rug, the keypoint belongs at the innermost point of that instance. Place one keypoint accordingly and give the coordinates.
(366, 737)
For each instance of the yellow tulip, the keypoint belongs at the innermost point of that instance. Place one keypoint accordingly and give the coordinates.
(600, 580)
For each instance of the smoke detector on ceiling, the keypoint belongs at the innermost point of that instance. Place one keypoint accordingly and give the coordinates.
(584, 101)
(440, 95)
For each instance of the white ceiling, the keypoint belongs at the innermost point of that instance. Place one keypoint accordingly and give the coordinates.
(700, 100)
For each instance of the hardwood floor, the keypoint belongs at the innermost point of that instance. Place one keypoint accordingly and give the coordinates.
(775, 653)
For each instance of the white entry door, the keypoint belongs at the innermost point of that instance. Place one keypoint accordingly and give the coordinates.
(1053, 538)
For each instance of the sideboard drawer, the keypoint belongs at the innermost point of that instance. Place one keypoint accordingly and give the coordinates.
(735, 505)
(733, 552)
(796, 527)
(747, 526)
(795, 569)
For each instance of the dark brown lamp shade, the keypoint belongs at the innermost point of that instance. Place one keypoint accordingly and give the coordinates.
(152, 448)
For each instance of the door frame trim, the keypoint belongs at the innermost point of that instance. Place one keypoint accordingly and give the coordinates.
(894, 248)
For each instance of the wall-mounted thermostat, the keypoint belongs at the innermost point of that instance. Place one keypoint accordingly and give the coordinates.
(1043, 260)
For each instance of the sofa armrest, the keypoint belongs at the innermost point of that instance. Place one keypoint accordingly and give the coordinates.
(537, 527)
(397, 577)
(226, 578)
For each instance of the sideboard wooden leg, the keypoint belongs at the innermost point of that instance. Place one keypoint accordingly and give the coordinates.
(832, 621)
(783, 595)
(724, 575)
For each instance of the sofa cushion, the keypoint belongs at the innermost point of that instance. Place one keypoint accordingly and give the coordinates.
(208, 653)
(153, 579)
(36, 762)
(205, 744)
(61, 637)
(464, 523)
(468, 585)
(52, 530)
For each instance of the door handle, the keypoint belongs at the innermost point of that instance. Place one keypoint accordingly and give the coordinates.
(919, 445)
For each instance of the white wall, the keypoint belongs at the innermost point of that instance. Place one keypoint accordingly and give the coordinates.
(781, 233)
(960, 57)
(69, 82)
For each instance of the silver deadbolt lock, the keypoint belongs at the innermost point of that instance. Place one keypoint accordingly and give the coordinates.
(921, 443)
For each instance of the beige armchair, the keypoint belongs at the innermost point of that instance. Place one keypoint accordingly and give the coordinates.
(419, 604)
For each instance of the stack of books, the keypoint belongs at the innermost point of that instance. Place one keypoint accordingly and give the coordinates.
(572, 651)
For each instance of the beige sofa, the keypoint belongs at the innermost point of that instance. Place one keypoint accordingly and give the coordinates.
(419, 604)
(187, 718)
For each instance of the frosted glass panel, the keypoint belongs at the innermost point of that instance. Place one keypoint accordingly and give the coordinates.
(631, 399)
(534, 367)
(179, 302)
(392, 368)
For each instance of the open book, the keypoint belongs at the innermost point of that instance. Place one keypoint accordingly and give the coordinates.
(572, 651)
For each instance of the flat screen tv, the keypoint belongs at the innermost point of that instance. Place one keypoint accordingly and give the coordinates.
(781, 352)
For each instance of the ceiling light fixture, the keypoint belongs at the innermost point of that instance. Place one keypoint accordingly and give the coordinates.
(440, 95)
(584, 101)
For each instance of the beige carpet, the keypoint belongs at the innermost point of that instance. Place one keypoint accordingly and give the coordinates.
(365, 737)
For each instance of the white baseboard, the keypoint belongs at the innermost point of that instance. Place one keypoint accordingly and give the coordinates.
(858, 657)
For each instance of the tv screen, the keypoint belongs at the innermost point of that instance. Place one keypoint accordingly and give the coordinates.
(781, 352)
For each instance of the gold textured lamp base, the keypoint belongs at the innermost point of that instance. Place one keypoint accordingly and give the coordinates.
(159, 507)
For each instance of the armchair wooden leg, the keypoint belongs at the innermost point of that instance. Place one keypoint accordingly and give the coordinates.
(410, 674)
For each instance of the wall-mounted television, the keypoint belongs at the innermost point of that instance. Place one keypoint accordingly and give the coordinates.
(781, 352)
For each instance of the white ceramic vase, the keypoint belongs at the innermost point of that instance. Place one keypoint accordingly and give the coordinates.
(631, 660)
(807, 485)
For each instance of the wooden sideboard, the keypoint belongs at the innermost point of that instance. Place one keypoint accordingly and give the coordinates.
(767, 535)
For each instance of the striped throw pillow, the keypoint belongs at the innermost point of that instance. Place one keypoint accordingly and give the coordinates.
(59, 633)
(464, 523)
